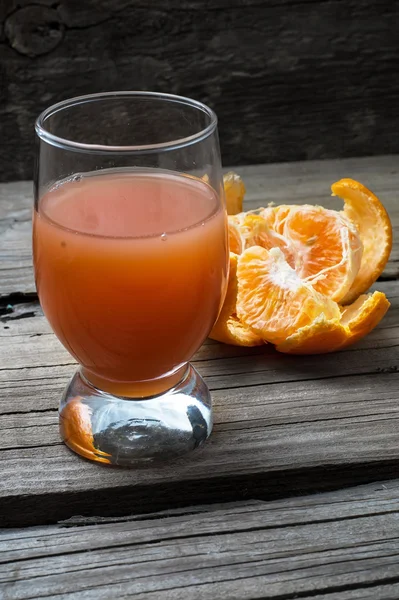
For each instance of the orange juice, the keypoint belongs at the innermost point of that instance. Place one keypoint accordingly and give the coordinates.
(131, 271)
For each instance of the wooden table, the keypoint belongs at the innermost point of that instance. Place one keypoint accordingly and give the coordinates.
(294, 495)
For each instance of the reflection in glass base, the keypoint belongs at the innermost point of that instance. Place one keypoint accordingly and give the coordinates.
(127, 432)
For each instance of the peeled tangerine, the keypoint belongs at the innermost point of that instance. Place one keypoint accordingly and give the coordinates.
(291, 265)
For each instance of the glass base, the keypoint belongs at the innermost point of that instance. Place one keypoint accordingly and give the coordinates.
(127, 431)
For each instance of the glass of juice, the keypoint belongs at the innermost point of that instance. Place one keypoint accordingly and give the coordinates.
(131, 256)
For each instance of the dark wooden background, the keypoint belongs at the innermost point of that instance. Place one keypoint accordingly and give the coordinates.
(289, 79)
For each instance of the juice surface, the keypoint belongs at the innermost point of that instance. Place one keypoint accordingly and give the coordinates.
(131, 271)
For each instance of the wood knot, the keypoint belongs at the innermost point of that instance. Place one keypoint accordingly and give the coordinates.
(34, 30)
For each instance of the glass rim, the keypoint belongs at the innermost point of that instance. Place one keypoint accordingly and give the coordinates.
(177, 144)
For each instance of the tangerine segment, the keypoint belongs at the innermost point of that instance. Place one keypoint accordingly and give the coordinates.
(326, 335)
(256, 232)
(228, 328)
(327, 246)
(230, 301)
(275, 216)
(235, 240)
(234, 190)
(232, 331)
(365, 210)
(273, 300)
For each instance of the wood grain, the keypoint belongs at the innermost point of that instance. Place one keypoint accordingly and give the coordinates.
(341, 546)
(16, 275)
(289, 79)
(282, 425)
(280, 183)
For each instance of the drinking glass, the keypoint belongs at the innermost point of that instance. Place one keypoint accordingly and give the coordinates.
(131, 256)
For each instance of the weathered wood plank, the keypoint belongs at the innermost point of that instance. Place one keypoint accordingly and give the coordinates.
(16, 276)
(289, 79)
(280, 183)
(281, 424)
(341, 545)
(33, 360)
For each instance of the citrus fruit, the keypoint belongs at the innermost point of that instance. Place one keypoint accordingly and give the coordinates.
(363, 315)
(275, 216)
(230, 301)
(232, 331)
(234, 190)
(273, 300)
(291, 265)
(365, 210)
(235, 239)
(228, 328)
(256, 232)
(326, 246)
(324, 335)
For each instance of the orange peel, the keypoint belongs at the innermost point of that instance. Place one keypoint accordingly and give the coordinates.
(365, 210)
(234, 190)
(323, 335)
